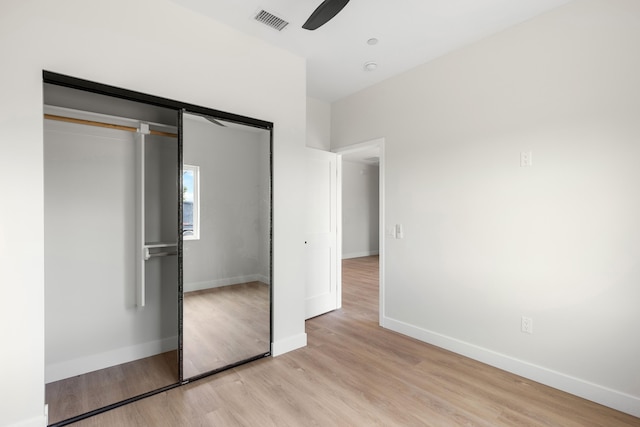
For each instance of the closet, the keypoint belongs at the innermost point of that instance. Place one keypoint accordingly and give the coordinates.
(157, 244)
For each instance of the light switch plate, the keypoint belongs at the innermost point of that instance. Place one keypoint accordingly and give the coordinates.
(399, 232)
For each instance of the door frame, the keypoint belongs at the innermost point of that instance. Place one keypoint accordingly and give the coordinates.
(366, 145)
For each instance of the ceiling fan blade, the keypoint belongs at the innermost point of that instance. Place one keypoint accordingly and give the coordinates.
(214, 121)
(323, 14)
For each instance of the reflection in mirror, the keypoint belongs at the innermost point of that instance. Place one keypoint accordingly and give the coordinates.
(191, 202)
(227, 267)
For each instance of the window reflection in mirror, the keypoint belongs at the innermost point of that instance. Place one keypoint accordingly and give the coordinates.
(191, 202)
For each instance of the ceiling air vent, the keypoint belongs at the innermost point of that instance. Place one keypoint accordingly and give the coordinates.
(271, 20)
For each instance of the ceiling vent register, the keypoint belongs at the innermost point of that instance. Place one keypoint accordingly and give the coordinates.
(271, 20)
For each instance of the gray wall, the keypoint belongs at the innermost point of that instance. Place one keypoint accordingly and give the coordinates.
(234, 199)
(360, 209)
(92, 319)
(486, 240)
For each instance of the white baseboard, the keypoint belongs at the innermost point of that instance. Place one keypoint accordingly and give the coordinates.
(264, 279)
(208, 284)
(359, 254)
(614, 399)
(288, 344)
(40, 421)
(82, 365)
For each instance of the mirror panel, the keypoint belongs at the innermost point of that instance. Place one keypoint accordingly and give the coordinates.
(226, 247)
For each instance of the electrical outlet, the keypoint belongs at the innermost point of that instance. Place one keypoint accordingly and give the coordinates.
(526, 159)
(527, 325)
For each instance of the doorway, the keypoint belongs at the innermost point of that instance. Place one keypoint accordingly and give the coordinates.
(361, 223)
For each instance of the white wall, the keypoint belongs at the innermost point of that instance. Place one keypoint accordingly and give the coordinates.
(487, 241)
(360, 209)
(155, 47)
(318, 124)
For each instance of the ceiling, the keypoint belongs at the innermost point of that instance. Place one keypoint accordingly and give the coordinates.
(409, 33)
(367, 156)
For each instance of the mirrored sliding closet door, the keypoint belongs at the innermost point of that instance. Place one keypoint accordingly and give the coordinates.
(157, 244)
(226, 243)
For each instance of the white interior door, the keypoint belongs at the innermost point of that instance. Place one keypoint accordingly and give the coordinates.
(322, 290)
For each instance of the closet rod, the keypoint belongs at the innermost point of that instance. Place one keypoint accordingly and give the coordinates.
(106, 125)
(156, 254)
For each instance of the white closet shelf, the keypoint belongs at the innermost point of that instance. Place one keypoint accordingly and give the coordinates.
(160, 244)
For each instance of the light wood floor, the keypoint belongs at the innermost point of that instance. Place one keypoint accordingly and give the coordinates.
(221, 326)
(83, 393)
(224, 325)
(354, 373)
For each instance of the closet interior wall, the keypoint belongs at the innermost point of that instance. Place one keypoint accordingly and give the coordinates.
(93, 317)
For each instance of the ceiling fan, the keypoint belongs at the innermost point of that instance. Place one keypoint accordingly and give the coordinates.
(323, 14)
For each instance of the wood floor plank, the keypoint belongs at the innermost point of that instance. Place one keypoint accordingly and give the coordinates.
(225, 325)
(83, 393)
(354, 373)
